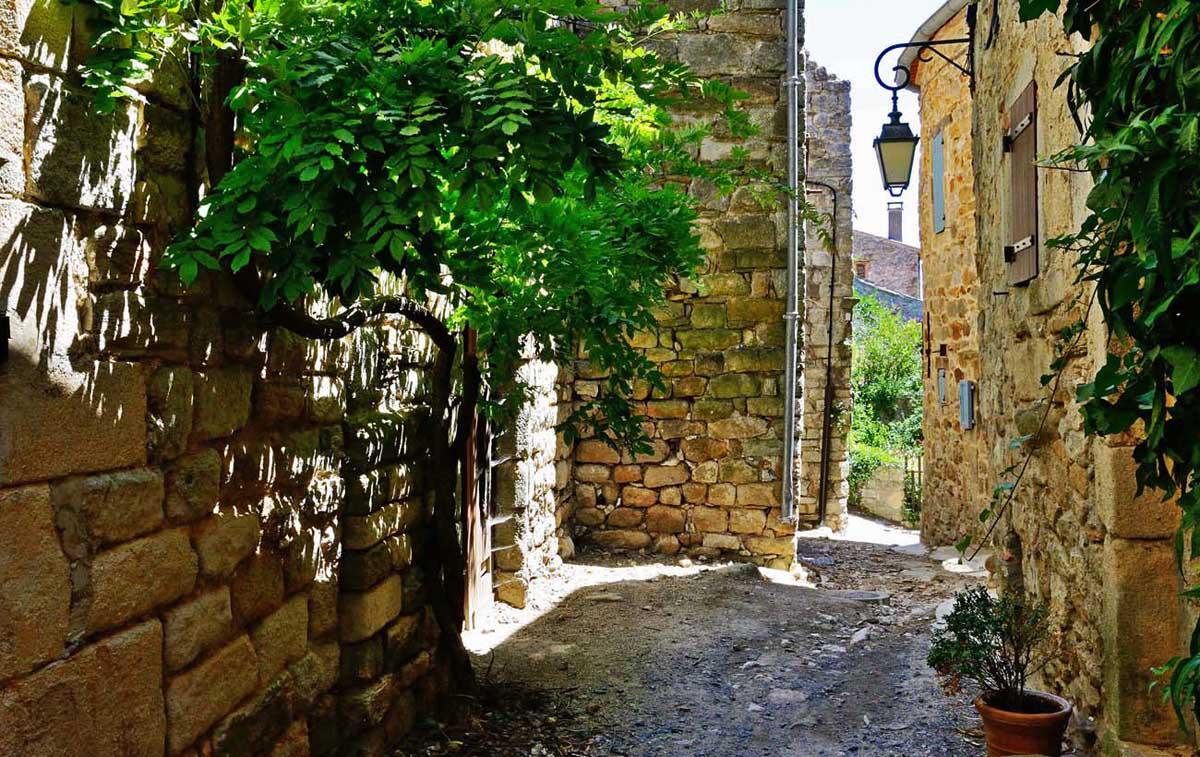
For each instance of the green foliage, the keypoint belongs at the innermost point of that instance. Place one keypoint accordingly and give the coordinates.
(910, 510)
(865, 459)
(885, 378)
(996, 644)
(484, 150)
(1136, 95)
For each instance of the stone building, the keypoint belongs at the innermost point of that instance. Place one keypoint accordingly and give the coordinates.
(887, 262)
(711, 486)
(1077, 536)
(231, 524)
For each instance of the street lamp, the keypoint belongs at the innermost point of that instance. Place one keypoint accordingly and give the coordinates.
(896, 145)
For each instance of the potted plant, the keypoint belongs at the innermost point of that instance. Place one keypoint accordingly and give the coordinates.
(997, 643)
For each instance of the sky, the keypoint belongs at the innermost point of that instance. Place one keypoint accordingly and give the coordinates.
(845, 36)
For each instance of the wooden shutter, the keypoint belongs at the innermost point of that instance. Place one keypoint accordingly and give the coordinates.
(938, 172)
(1021, 250)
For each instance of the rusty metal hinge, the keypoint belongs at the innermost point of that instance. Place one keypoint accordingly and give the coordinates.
(1011, 137)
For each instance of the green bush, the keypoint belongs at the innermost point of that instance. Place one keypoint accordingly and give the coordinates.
(865, 459)
(885, 378)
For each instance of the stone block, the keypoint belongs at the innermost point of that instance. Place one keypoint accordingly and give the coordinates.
(755, 311)
(374, 490)
(658, 476)
(596, 451)
(592, 473)
(276, 404)
(139, 576)
(250, 730)
(402, 640)
(76, 156)
(621, 539)
(710, 519)
(365, 706)
(95, 511)
(315, 673)
(12, 111)
(1141, 628)
(104, 699)
(196, 627)
(747, 521)
(733, 385)
(222, 401)
(661, 519)
(701, 448)
(758, 494)
(258, 588)
(36, 600)
(724, 542)
(362, 614)
(738, 427)
(224, 540)
(709, 339)
(294, 742)
(770, 545)
(724, 285)
(199, 698)
(591, 516)
(1123, 512)
(322, 608)
(755, 359)
(691, 386)
(281, 638)
(360, 570)
(193, 486)
(624, 517)
(667, 409)
(722, 495)
(363, 532)
(362, 661)
(169, 393)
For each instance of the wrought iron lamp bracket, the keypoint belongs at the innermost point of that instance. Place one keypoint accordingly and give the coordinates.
(926, 51)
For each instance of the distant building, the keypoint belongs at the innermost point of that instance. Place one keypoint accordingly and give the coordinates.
(888, 268)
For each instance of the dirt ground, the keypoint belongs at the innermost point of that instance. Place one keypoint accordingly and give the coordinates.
(635, 657)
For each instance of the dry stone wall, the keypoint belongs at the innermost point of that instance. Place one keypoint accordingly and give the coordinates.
(214, 533)
(828, 297)
(711, 485)
(959, 478)
(1078, 536)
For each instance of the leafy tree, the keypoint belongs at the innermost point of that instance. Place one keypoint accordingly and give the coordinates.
(1136, 96)
(513, 158)
(885, 377)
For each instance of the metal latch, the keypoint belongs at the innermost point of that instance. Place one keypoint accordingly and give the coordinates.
(1010, 251)
(1015, 132)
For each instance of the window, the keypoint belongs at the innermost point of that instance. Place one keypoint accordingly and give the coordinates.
(860, 270)
(938, 181)
(1021, 250)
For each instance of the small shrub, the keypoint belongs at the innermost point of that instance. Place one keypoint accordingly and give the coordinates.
(911, 509)
(995, 643)
(865, 459)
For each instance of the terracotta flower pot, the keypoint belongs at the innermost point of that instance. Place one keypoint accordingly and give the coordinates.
(1025, 733)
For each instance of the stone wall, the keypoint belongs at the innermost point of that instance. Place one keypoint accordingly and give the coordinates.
(1077, 537)
(829, 161)
(893, 265)
(959, 477)
(534, 491)
(711, 485)
(213, 533)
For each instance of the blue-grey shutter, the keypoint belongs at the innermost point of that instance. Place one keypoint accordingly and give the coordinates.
(939, 182)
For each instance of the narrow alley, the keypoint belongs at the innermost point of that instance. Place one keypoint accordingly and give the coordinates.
(635, 657)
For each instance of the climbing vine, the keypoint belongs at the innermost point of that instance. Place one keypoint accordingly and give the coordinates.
(1135, 94)
(513, 160)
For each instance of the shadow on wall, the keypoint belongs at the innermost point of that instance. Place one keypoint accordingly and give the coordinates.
(179, 475)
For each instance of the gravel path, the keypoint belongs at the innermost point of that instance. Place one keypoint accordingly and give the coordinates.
(686, 660)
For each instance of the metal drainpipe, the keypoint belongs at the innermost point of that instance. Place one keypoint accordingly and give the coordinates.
(792, 316)
(827, 412)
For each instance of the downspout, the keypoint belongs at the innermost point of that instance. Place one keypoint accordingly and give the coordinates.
(792, 315)
(827, 411)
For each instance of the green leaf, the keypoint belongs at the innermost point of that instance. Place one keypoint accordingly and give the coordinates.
(1185, 368)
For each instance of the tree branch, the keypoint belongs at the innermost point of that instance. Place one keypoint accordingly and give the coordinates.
(358, 315)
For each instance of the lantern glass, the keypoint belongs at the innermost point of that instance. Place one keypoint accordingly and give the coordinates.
(896, 148)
